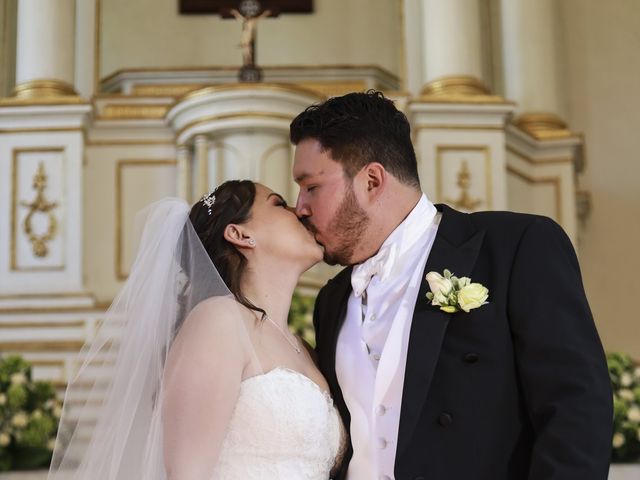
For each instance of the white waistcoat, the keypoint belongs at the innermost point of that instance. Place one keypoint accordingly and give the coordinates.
(371, 353)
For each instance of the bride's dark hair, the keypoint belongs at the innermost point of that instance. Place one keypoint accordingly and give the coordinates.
(233, 202)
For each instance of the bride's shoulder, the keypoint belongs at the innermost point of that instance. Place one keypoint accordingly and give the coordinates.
(221, 314)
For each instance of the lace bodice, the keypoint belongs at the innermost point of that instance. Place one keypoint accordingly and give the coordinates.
(284, 427)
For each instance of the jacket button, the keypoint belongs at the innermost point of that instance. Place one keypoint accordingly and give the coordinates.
(445, 419)
(471, 357)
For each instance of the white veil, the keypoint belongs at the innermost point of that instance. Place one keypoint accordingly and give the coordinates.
(112, 422)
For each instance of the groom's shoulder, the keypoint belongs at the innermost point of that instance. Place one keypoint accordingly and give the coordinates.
(514, 225)
(502, 219)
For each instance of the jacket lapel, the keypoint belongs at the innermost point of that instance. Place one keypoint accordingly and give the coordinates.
(333, 318)
(455, 248)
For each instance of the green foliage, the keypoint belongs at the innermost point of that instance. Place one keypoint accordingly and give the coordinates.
(29, 415)
(301, 317)
(625, 381)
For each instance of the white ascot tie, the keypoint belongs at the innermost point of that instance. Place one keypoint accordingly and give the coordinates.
(380, 264)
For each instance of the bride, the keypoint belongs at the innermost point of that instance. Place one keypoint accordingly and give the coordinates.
(194, 375)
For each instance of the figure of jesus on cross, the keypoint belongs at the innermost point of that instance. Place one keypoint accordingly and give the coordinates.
(248, 36)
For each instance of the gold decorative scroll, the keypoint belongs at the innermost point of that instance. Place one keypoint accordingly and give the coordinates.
(40, 205)
(465, 201)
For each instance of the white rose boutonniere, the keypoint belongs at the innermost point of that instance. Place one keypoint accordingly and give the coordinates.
(453, 294)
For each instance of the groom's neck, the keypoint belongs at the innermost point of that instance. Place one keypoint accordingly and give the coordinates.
(384, 217)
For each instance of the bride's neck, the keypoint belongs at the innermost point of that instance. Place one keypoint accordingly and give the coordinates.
(271, 289)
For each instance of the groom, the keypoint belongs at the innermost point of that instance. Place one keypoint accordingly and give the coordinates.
(516, 388)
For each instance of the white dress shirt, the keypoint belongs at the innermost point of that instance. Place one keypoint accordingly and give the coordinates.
(372, 345)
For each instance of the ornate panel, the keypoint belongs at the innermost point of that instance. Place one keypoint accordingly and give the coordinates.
(38, 209)
(463, 177)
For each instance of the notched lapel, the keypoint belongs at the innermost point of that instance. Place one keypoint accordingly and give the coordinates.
(455, 248)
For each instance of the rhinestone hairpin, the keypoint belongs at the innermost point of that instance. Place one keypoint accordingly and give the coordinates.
(208, 200)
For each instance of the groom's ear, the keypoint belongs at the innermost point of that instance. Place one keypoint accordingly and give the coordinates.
(375, 178)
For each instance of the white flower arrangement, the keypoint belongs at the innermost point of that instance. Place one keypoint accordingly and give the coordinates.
(625, 381)
(29, 415)
(453, 294)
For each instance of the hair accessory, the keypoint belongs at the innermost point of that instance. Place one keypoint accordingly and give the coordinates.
(208, 200)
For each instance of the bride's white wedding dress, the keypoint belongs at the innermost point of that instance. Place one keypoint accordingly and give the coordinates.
(284, 427)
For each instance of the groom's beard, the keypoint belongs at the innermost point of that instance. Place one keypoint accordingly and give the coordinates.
(346, 228)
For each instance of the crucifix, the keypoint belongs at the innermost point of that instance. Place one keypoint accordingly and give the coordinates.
(249, 17)
(249, 12)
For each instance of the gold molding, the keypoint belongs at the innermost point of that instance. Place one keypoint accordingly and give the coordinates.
(67, 324)
(128, 143)
(458, 89)
(14, 204)
(543, 126)
(440, 149)
(43, 92)
(44, 346)
(41, 130)
(465, 85)
(539, 161)
(120, 166)
(226, 87)
(44, 295)
(43, 88)
(101, 308)
(133, 111)
(232, 116)
(48, 101)
(165, 89)
(555, 182)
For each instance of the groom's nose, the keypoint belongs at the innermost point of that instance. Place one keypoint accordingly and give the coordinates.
(302, 209)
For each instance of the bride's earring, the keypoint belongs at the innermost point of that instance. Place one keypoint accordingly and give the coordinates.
(252, 242)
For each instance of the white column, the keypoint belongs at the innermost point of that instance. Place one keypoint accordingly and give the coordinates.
(452, 39)
(202, 160)
(45, 47)
(185, 178)
(529, 45)
(86, 43)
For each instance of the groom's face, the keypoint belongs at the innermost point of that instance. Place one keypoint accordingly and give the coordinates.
(327, 203)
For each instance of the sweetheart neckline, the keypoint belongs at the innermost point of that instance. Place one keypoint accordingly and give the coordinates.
(326, 394)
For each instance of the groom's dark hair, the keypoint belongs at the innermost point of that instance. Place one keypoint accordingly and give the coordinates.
(360, 128)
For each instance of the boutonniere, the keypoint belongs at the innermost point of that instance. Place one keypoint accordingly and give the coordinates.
(452, 294)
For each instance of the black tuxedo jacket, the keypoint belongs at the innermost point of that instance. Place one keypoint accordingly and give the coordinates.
(516, 389)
